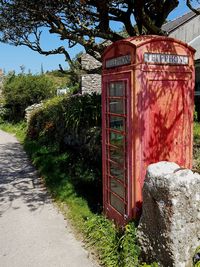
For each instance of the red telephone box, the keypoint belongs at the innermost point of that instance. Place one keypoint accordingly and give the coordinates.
(147, 110)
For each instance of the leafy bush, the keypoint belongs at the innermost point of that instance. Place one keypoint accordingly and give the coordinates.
(72, 124)
(21, 91)
(3, 113)
(69, 122)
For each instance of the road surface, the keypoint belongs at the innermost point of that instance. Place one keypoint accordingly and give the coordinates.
(33, 233)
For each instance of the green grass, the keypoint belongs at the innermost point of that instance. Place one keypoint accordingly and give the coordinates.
(197, 146)
(197, 132)
(111, 245)
(19, 129)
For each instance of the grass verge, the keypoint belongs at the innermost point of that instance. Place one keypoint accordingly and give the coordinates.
(18, 129)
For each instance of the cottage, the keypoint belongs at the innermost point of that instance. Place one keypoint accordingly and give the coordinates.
(187, 29)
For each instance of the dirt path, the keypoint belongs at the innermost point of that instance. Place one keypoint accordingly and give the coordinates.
(32, 231)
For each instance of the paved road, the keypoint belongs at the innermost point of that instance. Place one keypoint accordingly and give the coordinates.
(32, 231)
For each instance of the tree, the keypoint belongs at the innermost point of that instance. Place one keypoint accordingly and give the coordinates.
(23, 90)
(81, 21)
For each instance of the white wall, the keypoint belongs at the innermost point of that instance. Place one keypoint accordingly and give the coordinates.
(188, 32)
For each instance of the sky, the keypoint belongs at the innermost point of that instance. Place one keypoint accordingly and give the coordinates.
(12, 58)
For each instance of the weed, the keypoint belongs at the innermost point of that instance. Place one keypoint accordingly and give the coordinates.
(101, 234)
(129, 248)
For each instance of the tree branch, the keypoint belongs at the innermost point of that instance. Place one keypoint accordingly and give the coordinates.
(188, 3)
(35, 46)
(150, 26)
(80, 21)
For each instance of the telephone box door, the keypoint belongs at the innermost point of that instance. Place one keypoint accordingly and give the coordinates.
(116, 131)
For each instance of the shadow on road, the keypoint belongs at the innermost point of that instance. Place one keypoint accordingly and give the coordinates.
(19, 182)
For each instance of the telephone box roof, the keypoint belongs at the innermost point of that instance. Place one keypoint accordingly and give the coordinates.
(138, 41)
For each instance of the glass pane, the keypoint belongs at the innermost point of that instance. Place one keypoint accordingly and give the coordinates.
(116, 171)
(117, 123)
(117, 204)
(117, 140)
(117, 155)
(117, 188)
(116, 106)
(117, 89)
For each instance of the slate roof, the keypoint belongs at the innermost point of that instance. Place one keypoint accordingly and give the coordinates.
(174, 24)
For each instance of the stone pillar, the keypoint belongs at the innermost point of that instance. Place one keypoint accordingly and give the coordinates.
(169, 229)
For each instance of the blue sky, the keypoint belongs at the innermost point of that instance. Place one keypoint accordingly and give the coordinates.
(11, 57)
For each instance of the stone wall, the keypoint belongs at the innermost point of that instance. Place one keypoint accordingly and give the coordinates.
(29, 110)
(90, 83)
(89, 63)
(169, 229)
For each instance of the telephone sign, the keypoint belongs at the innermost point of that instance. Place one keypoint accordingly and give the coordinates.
(166, 59)
(118, 61)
